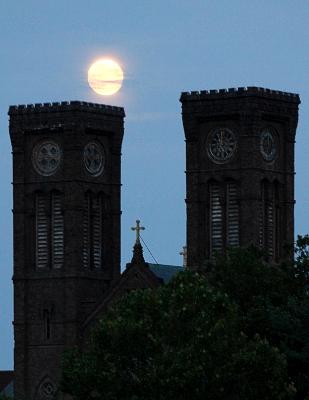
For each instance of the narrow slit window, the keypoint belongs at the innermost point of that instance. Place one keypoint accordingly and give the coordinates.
(46, 319)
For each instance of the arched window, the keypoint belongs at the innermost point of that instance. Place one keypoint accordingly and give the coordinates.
(86, 230)
(270, 219)
(216, 217)
(49, 230)
(97, 232)
(93, 231)
(57, 230)
(277, 220)
(232, 215)
(224, 215)
(41, 231)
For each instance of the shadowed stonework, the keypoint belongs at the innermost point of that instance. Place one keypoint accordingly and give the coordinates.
(239, 169)
(66, 160)
(66, 181)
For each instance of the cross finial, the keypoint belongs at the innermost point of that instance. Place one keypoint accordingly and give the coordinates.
(138, 229)
(184, 254)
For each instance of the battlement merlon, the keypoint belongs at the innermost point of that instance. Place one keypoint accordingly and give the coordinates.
(240, 92)
(63, 106)
(65, 116)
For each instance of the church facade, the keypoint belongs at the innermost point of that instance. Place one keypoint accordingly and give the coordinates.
(66, 182)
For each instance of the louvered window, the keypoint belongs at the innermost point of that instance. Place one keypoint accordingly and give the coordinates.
(215, 218)
(224, 216)
(42, 227)
(97, 233)
(49, 231)
(232, 211)
(277, 215)
(261, 223)
(270, 219)
(270, 228)
(92, 231)
(86, 231)
(57, 231)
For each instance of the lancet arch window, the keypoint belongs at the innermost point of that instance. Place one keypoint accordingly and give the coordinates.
(223, 215)
(49, 230)
(270, 216)
(93, 230)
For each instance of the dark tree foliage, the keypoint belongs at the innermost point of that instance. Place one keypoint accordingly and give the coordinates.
(273, 301)
(239, 330)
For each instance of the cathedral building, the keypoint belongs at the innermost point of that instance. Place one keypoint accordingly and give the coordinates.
(67, 182)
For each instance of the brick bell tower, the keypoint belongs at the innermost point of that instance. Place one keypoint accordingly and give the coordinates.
(239, 170)
(66, 180)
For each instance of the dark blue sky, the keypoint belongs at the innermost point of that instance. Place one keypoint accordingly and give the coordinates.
(165, 47)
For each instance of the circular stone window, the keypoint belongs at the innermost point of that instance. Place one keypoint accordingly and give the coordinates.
(47, 389)
(268, 146)
(94, 158)
(46, 157)
(221, 145)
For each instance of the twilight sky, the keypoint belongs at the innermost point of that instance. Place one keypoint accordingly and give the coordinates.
(164, 47)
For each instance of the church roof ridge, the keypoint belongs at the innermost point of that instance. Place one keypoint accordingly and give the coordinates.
(239, 92)
(66, 106)
(164, 271)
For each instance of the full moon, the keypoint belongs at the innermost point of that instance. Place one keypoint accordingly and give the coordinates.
(105, 77)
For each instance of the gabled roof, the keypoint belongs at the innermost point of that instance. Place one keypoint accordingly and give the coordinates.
(136, 276)
(165, 272)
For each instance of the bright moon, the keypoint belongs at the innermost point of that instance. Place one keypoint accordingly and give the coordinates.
(105, 77)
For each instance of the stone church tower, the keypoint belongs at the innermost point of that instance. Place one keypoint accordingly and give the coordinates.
(240, 170)
(66, 166)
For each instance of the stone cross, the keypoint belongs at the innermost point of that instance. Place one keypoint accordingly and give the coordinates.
(184, 254)
(138, 229)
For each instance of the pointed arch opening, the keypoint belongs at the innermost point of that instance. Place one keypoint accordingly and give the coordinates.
(216, 217)
(41, 231)
(93, 230)
(223, 215)
(270, 217)
(232, 214)
(49, 230)
(57, 230)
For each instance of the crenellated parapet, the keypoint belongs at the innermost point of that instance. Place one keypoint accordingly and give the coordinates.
(66, 106)
(249, 91)
(57, 117)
